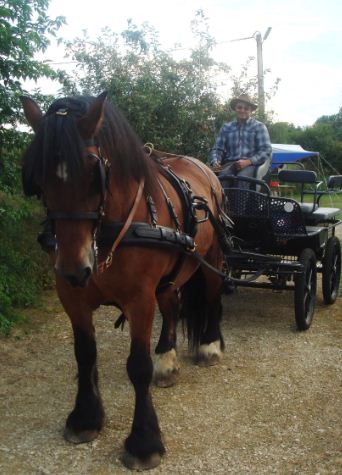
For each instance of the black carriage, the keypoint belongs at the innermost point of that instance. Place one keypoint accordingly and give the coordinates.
(280, 243)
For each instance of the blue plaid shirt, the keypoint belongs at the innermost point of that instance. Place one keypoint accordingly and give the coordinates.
(242, 140)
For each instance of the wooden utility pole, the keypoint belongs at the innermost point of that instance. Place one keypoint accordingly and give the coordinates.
(261, 91)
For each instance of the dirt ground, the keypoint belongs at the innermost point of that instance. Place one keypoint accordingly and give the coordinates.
(273, 405)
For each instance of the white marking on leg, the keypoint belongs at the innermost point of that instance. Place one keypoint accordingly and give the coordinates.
(166, 364)
(211, 351)
(62, 171)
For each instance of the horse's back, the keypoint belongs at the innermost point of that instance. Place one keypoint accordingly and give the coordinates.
(200, 177)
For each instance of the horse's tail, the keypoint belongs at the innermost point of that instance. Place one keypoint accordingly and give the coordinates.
(201, 318)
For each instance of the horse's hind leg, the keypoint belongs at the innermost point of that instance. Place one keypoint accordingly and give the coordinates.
(143, 446)
(201, 309)
(211, 344)
(85, 421)
(166, 365)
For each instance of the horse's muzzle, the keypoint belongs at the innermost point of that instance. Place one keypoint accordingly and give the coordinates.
(79, 278)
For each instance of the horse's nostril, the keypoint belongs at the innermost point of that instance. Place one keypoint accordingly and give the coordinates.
(73, 281)
(87, 273)
(80, 279)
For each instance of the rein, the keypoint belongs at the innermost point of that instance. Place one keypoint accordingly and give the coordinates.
(109, 259)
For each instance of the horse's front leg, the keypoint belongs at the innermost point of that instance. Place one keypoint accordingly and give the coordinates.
(144, 446)
(166, 365)
(86, 419)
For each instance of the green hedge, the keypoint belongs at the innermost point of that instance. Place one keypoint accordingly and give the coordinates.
(24, 268)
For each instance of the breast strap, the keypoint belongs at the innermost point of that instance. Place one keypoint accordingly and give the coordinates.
(143, 234)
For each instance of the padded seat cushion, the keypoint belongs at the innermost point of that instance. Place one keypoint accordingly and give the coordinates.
(307, 207)
(319, 214)
(322, 214)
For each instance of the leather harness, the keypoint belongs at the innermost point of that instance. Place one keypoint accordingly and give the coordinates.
(144, 234)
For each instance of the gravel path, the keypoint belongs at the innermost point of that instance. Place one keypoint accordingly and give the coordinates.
(272, 406)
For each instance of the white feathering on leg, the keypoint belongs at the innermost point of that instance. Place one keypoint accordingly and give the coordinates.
(208, 352)
(166, 363)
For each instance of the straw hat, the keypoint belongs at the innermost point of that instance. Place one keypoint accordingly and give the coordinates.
(245, 99)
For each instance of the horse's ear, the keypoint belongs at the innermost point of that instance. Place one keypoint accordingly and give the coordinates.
(32, 112)
(90, 124)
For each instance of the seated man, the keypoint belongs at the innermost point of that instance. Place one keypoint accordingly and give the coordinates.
(242, 145)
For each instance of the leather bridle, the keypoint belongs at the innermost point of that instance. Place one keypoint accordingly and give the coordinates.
(103, 169)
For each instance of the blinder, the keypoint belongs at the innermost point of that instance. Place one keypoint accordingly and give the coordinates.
(101, 176)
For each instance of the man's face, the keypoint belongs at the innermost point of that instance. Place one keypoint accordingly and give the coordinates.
(243, 111)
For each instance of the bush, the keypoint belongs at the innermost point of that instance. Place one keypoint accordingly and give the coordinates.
(24, 269)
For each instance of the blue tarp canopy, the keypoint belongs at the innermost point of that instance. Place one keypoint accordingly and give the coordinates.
(289, 153)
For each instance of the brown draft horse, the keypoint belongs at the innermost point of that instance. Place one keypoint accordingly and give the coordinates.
(88, 167)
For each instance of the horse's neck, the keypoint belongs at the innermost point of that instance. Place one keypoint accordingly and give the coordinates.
(120, 200)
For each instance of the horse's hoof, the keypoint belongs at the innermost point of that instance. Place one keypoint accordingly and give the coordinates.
(166, 381)
(134, 463)
(80, 437)
(212, 360)
(166, 369)
(209, 355)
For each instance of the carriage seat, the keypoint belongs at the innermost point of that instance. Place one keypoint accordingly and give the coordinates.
(312, 211)
(335, 184)
(322, 214)
(303, 177)
(262, 171)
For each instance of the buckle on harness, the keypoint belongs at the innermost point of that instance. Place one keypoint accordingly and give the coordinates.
(200, 203)
(62, 112)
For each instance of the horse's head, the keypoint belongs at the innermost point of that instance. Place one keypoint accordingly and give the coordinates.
(64, 166)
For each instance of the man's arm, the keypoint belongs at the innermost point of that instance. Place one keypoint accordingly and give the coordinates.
(263, 146)
(219, 149)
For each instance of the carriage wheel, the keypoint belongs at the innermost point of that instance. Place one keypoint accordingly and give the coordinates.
(305, 290)
(331, 270)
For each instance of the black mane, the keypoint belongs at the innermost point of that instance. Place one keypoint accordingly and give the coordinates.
(58, 140)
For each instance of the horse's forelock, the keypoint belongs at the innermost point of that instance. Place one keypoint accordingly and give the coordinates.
(56, 143)
(75, 106)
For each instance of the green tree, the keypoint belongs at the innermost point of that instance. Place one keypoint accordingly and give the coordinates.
(335, 121)
(280, 132)
(25, 30)
(334, 136)
(321, 137)
(173, 104)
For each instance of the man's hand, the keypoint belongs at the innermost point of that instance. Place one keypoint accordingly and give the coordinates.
(242, 163)
(216, 167)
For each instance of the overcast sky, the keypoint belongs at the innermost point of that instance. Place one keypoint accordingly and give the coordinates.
(304, 48)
